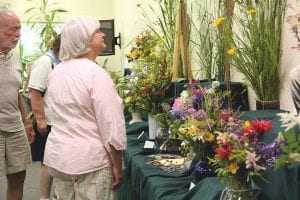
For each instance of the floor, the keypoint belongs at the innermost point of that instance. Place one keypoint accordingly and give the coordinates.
(31, 187)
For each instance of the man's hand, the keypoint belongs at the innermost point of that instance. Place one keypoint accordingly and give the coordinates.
(42, 126)
(29, 132)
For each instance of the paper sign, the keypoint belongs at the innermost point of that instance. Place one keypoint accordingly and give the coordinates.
(188, 164)
(192, 185)
(149, 144)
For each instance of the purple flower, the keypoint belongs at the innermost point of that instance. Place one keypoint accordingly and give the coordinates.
(200, 114)
(268, 152)
(198, 101)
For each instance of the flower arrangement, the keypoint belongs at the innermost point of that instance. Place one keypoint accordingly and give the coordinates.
(256, 25)
(291, 147)
(198, 113)
(241, 154)
(145, 89)
(144, 45)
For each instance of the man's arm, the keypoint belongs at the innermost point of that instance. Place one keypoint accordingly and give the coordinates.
(37, 105)
(27, 122)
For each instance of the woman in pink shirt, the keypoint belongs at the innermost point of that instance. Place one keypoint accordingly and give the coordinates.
(84, 149)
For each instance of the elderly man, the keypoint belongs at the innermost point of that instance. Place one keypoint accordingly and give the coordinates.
(15, 153)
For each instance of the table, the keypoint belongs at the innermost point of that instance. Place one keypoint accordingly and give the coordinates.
(147, 182)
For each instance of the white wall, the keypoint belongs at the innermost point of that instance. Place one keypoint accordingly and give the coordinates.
(290, 59)
(101, 9)
(129, 22)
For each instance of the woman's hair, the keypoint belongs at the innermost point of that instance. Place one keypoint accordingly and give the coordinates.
(76, 36)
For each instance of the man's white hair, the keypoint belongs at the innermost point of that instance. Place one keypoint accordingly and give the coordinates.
(76, 36)
(5, 11)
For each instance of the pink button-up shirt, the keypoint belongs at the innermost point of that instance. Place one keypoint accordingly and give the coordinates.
(87, 117)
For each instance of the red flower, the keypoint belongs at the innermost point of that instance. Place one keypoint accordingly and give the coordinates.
(249, 132)
(261, 126)
(223, 152)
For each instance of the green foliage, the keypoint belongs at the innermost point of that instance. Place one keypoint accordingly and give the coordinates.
(117, 77)
(145, 89)
(206, 41)
(164, 119)
(291, 151)
(258, 42)
(164, 23)
(42, 11)
(27, 59)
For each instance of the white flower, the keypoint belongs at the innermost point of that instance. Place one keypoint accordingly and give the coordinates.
(184, 94)
(288, 120)
(251, 160)
(183, 144)
(215, 84)
(126, 92)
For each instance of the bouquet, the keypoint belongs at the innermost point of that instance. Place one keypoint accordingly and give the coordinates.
(198, 113)
(151, 74)
(241, 154)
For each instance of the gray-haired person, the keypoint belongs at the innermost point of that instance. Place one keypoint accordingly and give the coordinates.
(84, 148)
(15, 153)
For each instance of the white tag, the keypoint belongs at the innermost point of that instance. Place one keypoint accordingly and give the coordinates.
(192, 185)
(149, 144)
(140, 135)
(188, 164)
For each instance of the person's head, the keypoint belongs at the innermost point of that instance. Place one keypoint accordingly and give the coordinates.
(10, 27)
(81, 36)
(56, 45)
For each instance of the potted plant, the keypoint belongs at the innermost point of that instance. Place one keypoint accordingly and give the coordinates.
(42, 16)
(167, 22)
(207, 43)
(46, 15)
(256, 52)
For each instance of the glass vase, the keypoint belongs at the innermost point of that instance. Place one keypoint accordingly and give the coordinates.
(237, 189)
(153, 127)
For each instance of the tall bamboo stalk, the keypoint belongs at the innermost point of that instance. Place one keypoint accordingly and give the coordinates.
(181, 56)
(227, 29)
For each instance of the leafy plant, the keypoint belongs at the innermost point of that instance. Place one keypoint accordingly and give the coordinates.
(164, 23)
(291, 148)
(258, 42)
(207, 43)
(145, 89)
(46, 13)
(291, 151)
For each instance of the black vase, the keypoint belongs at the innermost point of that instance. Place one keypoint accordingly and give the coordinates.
(267, 105)
(202, 170)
